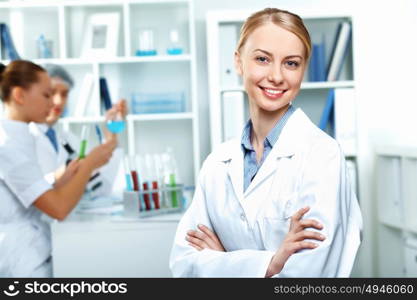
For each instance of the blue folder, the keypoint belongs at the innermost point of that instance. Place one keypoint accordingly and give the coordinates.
(104, 94)
(7, 45)
(327, 117)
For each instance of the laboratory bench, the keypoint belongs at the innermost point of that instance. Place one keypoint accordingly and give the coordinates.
(108, 244)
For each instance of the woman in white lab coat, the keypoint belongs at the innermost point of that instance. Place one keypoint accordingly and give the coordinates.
(25, 249)
(278, 202)
(56, 146)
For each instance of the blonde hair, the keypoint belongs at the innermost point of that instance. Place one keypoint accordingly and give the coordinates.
(285, 19)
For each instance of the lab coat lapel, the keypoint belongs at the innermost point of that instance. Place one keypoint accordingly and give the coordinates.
(267, 169)
(235, 170)
(50, 148)
(260, 191)
(284, 147)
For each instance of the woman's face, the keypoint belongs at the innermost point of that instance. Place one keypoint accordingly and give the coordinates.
(60, 92)
(272, 64)
(38, 101)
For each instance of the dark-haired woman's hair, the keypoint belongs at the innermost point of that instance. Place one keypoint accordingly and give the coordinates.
(18, 73)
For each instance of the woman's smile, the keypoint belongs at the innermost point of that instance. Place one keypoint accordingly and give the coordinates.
(272, 93)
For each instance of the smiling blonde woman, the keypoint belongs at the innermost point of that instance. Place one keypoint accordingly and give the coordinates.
(277, 202)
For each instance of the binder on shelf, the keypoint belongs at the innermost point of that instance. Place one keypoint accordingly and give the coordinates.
(312, 67)
(105, 94)
(85, 95)
(228, 39)
(339, 51)
(233, 107)
(327, 116)
(345, 119)
(317, 67)
(8, 50)
(93, 105)
(2, 52)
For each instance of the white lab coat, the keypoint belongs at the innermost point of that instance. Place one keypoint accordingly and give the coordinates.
(305, 167)
(50, 160)
(25, 246)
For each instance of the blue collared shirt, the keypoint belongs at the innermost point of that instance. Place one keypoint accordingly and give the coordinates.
(251, 166)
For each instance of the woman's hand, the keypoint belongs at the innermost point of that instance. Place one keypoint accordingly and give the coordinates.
(121, 106)
(295, 240)
(205, 238)
(118, 110)
(65, 173)
(101, 154)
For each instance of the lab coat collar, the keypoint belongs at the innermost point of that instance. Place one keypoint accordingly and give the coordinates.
(41, 127)
(16, 130)
(286, 146)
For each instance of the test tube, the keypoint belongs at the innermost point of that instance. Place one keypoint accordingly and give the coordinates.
(83, 146)
(134, 173)
(155, 179)
(159, 169)
(145, 183)
(170, 175)
(152, 180)
(127, 174)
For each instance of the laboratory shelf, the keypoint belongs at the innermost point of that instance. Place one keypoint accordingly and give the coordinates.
(304, 86)
(161, 117)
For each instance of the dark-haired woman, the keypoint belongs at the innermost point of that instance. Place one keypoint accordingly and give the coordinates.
(25, 249)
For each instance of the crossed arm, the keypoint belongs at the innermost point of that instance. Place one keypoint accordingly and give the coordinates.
(294, 241)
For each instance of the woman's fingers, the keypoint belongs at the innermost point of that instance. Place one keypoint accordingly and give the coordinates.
(122, 106)
(290, 248)
(295, 218)
(203, 237)
(214, 240)
(303, 245)
(198, 234)
(298, 224)
(196, 241)
(207, 237)
(195, 246)
(300, 213)
(310, 223)
(207, 231)
(307, 234)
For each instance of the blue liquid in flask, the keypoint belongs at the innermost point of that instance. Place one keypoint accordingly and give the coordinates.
(116, 126)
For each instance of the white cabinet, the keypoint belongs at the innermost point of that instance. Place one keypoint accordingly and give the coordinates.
(65, 23)
(105, 246)
(410, 257)
(397, 203)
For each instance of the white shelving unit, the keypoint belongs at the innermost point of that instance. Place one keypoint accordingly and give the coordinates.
(65, 22)
(304, 86)
(397, 203)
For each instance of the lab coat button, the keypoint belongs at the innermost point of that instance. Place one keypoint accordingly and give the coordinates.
(242, 217)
